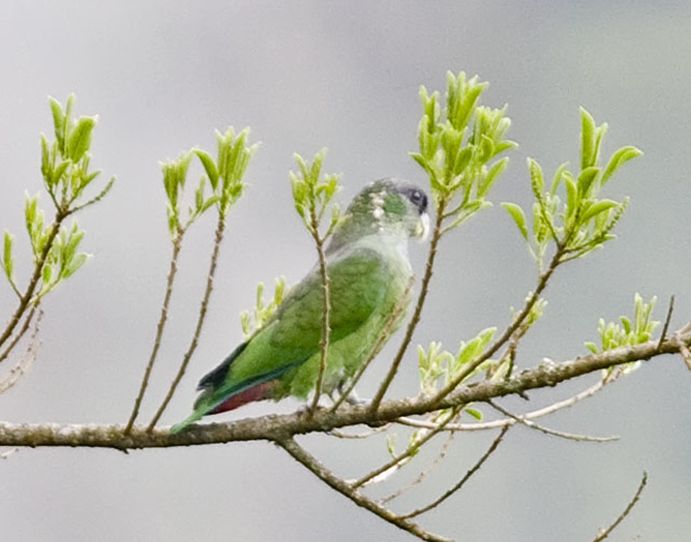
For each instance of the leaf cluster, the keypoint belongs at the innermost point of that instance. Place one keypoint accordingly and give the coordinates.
(459, 146)
(569, 213)
(224, 175)
(628, 331)
(66, 173)
(437, 367)
(313, 193)
(255, 319)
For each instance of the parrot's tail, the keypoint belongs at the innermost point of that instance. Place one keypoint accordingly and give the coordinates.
(195, 416)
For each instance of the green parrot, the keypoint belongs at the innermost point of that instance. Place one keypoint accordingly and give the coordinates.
(370, 274)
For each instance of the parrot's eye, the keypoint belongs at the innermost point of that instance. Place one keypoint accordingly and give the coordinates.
(419, 199)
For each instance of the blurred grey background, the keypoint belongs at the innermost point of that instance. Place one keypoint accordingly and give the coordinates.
(163, 75)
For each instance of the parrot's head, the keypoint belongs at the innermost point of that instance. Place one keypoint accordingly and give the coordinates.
(387, 206)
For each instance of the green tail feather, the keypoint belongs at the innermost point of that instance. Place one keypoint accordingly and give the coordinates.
(195, 416)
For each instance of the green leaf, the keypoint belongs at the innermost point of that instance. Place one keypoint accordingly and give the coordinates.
(79, 139)
(7, 259)
(492, 175)
(209, 166)
(474, 413)
(58, 122)
(572, 200)
(597, 208)
(588, 139)
(618, 159)
(537, 180)
(586, 179)
(516, 212)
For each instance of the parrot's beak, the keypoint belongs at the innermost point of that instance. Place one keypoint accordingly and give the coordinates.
(422, 229)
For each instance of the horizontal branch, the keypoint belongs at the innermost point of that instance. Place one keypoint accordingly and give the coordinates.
(280, 427)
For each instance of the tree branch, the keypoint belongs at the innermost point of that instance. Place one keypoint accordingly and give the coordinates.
(274, 427)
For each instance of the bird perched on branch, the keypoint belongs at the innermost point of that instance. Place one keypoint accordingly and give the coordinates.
(370, 275)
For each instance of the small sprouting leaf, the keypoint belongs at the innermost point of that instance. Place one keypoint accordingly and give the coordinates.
(474, 413)
(597, 208)
(588, 139)
(7, 259)
(618, 159)
(79, 139)
(518, 216)
(58, 121)
(209, 166)
(591, 346)
(537, 180)
(492, 175)
(586, 179)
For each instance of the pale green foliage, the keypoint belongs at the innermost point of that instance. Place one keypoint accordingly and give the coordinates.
(63, 259)
(255, 319)
(224, 175)
(627, 332)
(459, 146)
(437, 367)
(313, 193)
(66, 173)
(65, 161)
(569, 214)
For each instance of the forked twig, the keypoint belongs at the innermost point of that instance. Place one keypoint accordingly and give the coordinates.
(561, 434)
(498, 424)
(424, 473)
(170, 280)
(27, 359)
(18, 337)
(396, 462)
(325, 475)
(436, 502)
(604, 533)
(220, 228)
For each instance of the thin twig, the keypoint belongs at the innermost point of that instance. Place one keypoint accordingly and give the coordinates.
(423, 474)
(436, 502)
(22, 332)
(382, 472)
(415, 320)
(561, 434)
(325, 475)
(24, 301)
(604, 533)
(170, 280)
(665, 327)
(326, 310)
(508, 332)
(498, 424)
(102, 194)
(27, 359)
(220, 228)
(384, 334)
(358, 436)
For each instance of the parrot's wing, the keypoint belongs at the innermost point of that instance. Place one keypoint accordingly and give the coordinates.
(359, 278)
